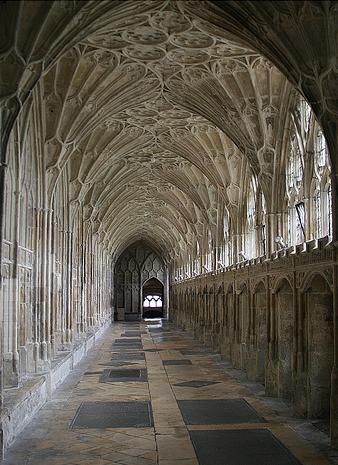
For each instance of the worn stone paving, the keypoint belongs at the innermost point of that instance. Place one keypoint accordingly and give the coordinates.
(226, 407)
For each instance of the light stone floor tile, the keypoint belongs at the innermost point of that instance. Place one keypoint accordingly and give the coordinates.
(49, 441)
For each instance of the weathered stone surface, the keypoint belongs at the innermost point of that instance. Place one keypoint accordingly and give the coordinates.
(189, 143)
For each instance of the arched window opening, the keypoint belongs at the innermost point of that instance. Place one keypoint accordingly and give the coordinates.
(317, 198)
(303, 117)
(188, 266)
(295, 165)
(328, 200)
(153, 301)
(261, 216)
(295, 171)
(210, 254)
(224, 253)
(299, 208)
(9, 202)
(308, 186)
(321, 188)
(321, 153)
(196, 270)
(300, 222)
(250, 237)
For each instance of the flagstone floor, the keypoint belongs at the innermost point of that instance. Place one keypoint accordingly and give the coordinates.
(150, 395)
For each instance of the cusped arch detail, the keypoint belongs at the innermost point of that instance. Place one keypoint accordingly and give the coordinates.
(260, 283)
(308, 279)
(278, 283)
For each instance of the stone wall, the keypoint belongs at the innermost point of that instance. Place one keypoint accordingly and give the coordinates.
(56, 269)
(102, 143)
(273, 319)
(23, 403)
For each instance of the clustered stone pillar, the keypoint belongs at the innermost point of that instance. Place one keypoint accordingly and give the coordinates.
(56, 270)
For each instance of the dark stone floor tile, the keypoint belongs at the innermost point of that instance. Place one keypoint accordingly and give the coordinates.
(240, 447)
(152, 350)
(132, 334)
(196, 383)
(123, 347)
(124, 375)
(176, 362)
(123, 356)
(128, 340)
(193, 352)
(134, 414)
(118, 364)
(218, 411)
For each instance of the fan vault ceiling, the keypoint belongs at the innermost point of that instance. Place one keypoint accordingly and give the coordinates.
(158, 115)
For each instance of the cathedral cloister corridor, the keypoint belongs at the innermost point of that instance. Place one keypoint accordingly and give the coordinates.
(172, 161)
(173, 402)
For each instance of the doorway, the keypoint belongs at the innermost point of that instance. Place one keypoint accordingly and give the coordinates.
(153, 293)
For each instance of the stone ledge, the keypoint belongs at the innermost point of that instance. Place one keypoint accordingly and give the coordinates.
(21, 404)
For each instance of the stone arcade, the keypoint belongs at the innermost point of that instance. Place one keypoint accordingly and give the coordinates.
(178, 155)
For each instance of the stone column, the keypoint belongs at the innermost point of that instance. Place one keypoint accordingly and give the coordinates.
(45, 225)
(237, 247)
(53, 291)
(69, 296)
(298, 363)
(298, 330)
(334, 375)
(35, 312)
(49, 274)
(166, 299)
(41, 321)
(274, 228)
(8, 113)
(11, 356)
(83, 283)
(333, 145)
(270, 230)
(251, 324)
(273, 324)
(307, 220)
(63, 260)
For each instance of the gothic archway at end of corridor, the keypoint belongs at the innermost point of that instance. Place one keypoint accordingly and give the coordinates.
(153, 299)
(139, 273)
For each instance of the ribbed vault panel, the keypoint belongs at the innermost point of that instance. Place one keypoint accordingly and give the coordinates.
(158, 117)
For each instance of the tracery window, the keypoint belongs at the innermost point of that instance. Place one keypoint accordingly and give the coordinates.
(224, 255)
(299, 130)
(261, 216)
(321, 188)
(295, 165)
(296, 219)
(305, 213)
(328, 200)
(179, 273)
(152, 301)
(197, 261)
(188, 272)
(250, 236)
(9, 202)
(210, 252)
(308, 186)
(303, 115)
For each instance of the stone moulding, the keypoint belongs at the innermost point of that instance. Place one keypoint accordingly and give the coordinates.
(22, 404)
(306, 258)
